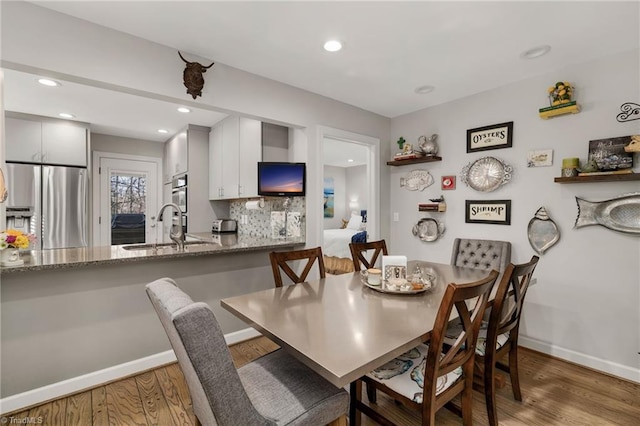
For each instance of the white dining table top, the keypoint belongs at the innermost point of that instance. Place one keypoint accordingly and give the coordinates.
(342, 329)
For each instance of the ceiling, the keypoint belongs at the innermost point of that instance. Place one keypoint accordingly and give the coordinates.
(390, 49)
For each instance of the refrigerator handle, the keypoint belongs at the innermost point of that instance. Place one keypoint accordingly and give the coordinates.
(37, 208)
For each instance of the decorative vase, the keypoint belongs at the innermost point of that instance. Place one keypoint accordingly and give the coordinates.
(10, 257)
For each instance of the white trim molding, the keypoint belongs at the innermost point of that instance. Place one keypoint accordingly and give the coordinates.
(91, 380)
(588, 361)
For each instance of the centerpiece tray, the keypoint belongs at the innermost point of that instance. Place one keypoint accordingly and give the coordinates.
(386, 287)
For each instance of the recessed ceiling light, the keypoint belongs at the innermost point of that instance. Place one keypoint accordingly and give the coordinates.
(66, 115)
(424, 89)
(350, 160)
(163, 131)
(535, 52)
(184, 109)
(332, 46)
(48, 82)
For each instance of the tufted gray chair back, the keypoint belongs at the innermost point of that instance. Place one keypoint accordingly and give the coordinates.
(481, 254)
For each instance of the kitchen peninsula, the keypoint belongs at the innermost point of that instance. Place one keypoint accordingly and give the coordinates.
(77, 317)
(201, 244)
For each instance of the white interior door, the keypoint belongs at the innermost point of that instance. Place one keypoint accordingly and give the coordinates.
(128, 188)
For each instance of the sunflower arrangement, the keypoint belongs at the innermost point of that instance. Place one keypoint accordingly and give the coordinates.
(561, 93)
(12, 238)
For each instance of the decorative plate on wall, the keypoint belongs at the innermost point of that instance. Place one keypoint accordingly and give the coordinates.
(416, 180)
(486, 174)
(542, 231)
(428, 229)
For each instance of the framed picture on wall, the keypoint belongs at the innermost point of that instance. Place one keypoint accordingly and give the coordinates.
(328, 197)
(495, 136)
(496, 212)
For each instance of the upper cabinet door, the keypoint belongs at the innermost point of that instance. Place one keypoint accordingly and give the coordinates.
(215, 163)
(64, 144)
(250, 154)
(23, 140)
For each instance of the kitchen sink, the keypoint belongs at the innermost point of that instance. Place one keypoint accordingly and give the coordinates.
(164, 246)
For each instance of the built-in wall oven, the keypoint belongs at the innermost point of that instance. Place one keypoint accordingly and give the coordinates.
(179, 197)
(179, 192)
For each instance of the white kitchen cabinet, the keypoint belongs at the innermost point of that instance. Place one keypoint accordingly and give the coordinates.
(45, 142)
(235, 147)
(64, 144)
(23, 140)
(176, 156)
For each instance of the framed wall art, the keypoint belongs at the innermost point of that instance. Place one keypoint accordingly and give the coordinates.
(448, 183)
(540, 158)
(609, 154)
(490, 137)
(496, 212)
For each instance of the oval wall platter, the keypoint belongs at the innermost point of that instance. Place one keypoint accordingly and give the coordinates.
(416, 180)
(486, 174)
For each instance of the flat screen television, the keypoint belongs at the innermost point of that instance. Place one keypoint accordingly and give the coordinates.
(281, 179)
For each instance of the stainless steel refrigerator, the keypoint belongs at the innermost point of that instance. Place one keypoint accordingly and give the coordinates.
(50, 202)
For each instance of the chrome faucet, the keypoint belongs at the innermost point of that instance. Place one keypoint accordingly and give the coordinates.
(176, 234)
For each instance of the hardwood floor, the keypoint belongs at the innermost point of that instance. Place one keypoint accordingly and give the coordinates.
(554, 393)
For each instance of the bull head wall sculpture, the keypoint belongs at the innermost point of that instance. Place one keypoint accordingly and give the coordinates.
(193, 79)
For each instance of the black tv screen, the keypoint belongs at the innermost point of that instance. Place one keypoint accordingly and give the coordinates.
(281, 179)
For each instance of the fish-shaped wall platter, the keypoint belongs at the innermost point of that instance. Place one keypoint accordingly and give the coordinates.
(543, 232)
(619, 214)
(416, 180)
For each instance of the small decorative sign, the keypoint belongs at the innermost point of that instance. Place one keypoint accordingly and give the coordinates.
(448, 182)
(490, 137)
(541, 158)
(497, 212)
(609, 154)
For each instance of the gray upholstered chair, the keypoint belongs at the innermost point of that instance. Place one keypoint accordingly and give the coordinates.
(275, 389)
(481, 254)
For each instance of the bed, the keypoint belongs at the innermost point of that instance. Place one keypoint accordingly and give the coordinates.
(336, 241)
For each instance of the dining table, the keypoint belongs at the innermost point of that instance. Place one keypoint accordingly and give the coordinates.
(343, 328)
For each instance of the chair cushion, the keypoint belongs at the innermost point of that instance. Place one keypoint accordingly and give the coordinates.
(405, 374)
(455, 328)
(286, 391)
(481, 254)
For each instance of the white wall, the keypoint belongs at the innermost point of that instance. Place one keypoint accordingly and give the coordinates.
(584, 306)
(357, 187)
(108, 143)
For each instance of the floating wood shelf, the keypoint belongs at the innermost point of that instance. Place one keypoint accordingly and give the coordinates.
(425, 159)
(598, 178)
(545, 114)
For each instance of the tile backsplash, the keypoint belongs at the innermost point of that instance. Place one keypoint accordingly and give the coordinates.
(259, 222)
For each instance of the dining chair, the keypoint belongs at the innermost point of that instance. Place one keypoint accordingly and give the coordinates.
(359, 251)
(280, 261)
(500, 336)
(429, 376)
(275, 389)
(481, 254)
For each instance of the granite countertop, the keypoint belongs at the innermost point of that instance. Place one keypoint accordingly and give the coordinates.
(198, 244)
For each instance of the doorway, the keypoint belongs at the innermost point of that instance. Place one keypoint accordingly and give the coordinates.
(355, 184)
(126, 200)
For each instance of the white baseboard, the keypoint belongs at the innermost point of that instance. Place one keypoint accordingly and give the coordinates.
(77, 384)
(588, 361)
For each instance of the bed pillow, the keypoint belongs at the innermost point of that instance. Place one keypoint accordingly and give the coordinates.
(354, 222)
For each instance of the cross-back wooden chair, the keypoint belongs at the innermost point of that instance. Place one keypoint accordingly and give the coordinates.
(280, 261)
(359, 251)
(430, 375)
(502, 333)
